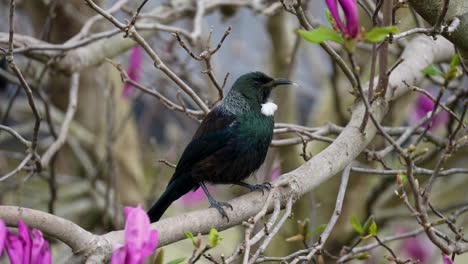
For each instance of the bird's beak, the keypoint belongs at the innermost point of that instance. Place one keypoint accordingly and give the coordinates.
(279, 81)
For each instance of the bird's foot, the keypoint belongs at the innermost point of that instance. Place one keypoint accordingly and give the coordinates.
(219, 206)
(259, 187)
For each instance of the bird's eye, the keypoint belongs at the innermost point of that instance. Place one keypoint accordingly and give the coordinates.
(256, 83)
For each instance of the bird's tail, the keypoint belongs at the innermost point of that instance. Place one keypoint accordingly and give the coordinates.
(175, 189)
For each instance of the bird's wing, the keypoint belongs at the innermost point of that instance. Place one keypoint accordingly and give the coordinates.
(212, 135)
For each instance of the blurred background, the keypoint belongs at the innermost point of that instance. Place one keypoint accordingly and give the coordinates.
(121, 139)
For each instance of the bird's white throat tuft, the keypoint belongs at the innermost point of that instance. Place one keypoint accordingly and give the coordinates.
(269, 108)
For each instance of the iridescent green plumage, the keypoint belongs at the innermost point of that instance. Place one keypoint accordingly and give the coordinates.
(230, 144)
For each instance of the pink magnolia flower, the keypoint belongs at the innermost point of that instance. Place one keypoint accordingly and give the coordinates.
(446, 259)
(40, 250)
(14, 248)
(351, 16)
(3, 233)
(423, 106)
(24, 249)
(418, 247)
(193, 197)
(140, 240)
(134, 70)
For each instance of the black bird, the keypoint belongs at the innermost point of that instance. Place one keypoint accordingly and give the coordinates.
(230, 144)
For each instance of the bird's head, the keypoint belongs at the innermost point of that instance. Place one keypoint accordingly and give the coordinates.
(256, 87)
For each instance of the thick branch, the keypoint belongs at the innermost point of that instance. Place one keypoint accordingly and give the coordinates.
(430, 10)
(66, 231)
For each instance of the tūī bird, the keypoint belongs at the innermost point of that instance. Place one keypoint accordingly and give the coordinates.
(230, 144)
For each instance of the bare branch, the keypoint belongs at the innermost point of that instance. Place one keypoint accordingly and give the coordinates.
(72, 105)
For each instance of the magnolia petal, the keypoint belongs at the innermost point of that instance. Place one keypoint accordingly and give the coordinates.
(423, 106)
(333, 7)
(3, 233)
(446, 259)
(352, 17)
(140, 240)
(119, 253)
(25, 237)
(193, 197)
(39, 247)
(14, 248)
(46, 255)
(151, 244)
(137, 228)
(134, 70)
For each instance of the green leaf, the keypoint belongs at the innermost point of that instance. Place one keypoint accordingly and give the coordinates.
(432, 70)
(214, 238)
(189, 234)
(320, 35)
(176, 261)
(366, 224)
(455, 60)
(378, 34)
(356, 225)
(373, 228)
(454, 71)
(363, 256)
(319, 229)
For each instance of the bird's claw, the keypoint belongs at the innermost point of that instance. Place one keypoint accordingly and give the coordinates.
(260, 187)
(219, 206)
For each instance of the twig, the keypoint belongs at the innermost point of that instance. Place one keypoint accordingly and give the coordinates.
(198, 21)
(18, 168)
(164, 100)
(360, 92)
(205, 56)
(72, 105)
(90, 22)
(24, 84)
(135, 16)
(272, 234)
(333, 219)
(375, 15)
(370, 90)
(195, 257)
(68, 45)
(428, 31)
(404, 136)
(12, 132)
(395, 258)
(433, 111)
(370, 246)
(170, 164)
(158, 63)
(450, 223)
(448, 149)
(444, 106)
(441, 17)
(417, 171)
(395, 65)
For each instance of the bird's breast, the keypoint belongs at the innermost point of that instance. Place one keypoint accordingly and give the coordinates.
(243, 153)
(256, 128)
